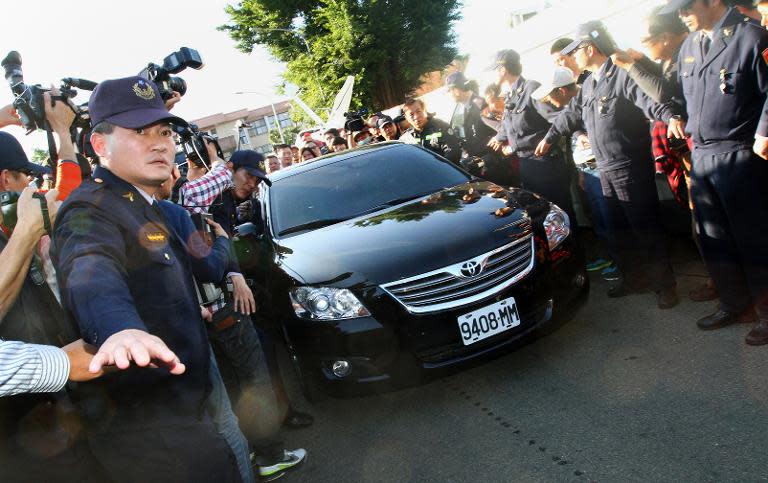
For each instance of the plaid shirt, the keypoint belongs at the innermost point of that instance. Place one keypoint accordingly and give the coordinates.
(198, 195)
(669, 162)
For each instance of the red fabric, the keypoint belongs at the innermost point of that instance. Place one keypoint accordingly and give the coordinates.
(668, 162)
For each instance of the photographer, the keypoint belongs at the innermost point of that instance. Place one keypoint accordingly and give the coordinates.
(244, 355)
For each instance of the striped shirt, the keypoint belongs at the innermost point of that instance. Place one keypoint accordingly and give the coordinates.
(28, 368)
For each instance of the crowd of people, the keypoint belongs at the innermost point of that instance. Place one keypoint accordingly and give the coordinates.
(131, 347)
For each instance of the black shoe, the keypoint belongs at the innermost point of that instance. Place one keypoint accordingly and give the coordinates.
(296, 420)
(721, 318)
(667, 298)
(759, 334)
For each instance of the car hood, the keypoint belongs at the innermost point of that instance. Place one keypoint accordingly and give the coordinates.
(419, 236)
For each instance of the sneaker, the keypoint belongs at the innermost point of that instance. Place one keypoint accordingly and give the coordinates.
(598, 264)
(611, 273)
(273, 470)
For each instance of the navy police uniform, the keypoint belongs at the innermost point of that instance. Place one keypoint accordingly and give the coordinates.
(615, 113)
(726, 87)
(524, 125)
(122, 265)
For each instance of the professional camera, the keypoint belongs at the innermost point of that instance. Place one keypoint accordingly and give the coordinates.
(355, 121)
(191, 140)
(28, 100)
(173, 64)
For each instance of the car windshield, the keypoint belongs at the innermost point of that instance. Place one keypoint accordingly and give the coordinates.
(357, 185)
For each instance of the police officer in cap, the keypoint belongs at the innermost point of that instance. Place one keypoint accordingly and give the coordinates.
(724, 73)
(525, 123)
(615, 112)
(126, 276)
(429, 132)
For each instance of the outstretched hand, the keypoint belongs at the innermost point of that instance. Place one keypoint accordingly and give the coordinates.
(137, 346)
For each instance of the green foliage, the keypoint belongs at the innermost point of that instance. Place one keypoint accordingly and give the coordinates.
(388, 45)
(40, 156)
(289, 133)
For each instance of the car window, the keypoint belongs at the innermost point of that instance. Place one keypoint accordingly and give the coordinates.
(357, 184)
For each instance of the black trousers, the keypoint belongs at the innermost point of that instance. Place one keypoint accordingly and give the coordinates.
(730, 198)
(634, 230)
(550, 177)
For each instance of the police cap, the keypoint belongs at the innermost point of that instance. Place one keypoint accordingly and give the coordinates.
(130, 102)
(593, 32)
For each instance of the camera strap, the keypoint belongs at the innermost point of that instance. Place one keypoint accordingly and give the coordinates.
(44, 209)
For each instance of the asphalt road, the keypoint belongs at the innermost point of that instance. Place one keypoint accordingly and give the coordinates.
(624, 392)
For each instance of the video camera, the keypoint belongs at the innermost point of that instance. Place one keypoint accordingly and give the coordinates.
(355, 121)
(172, 64)
(192, 142)
(28, 100)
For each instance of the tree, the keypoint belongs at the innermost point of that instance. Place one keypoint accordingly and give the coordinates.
(40, 156)
(388, 45)
(289, 133)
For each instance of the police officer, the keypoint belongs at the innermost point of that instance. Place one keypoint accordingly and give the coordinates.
(429, 132)
(525, 123)
(127, 278)
(724, 72)
(615, 112)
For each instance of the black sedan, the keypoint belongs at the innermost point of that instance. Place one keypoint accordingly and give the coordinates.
(386, 264)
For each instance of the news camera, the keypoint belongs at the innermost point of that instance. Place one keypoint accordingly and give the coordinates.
(192, 142)
(354, 120)
(172, 64)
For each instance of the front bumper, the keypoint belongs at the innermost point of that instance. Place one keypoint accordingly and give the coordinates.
(395, 348)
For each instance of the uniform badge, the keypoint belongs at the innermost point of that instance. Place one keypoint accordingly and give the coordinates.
(129, 196)
(157, 237)
(690, 60)
(144, 91)
(727, 32)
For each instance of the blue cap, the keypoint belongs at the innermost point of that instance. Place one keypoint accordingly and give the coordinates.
(456, 79)
(250, 161)
(504, 57)
(673, 6)
(130, 102)
(13, 157)
(595, 33)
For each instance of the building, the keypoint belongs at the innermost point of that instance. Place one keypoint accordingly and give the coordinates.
(256, 126)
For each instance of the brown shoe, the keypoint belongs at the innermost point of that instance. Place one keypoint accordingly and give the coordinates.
(667, 298)
(759, 334)
(704, 292)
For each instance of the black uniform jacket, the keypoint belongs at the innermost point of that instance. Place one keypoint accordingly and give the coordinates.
(525, 119)
(438, 137)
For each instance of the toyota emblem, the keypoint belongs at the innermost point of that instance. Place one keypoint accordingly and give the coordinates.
(471, 269)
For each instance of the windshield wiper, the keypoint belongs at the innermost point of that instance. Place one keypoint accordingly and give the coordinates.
(312, 225)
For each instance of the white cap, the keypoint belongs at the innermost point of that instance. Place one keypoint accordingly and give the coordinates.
(561, 76)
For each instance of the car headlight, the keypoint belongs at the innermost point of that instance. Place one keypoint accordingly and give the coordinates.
(326, 303)
(557, 226)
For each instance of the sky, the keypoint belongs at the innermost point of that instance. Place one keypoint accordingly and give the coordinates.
(103, 39)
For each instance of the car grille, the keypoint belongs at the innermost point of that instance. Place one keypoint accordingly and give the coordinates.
(449, 287)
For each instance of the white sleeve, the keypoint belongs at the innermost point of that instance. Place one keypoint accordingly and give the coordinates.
(26, 368)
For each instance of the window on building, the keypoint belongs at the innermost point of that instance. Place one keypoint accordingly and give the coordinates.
(213, 131)
(244, 139)
(284, 115)
(264, 148)
(286, 123)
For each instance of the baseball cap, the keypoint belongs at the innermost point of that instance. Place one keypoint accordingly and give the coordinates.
(130, 102)
(504, 57)
(560, 77)
(455, 79)
(383, 120)
(595, 33)
(674, 5)
(13, 157)
(249, 160)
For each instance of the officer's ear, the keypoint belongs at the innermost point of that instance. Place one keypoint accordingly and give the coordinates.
(99, 144)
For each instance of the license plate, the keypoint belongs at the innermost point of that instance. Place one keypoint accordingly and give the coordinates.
(488, 321)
